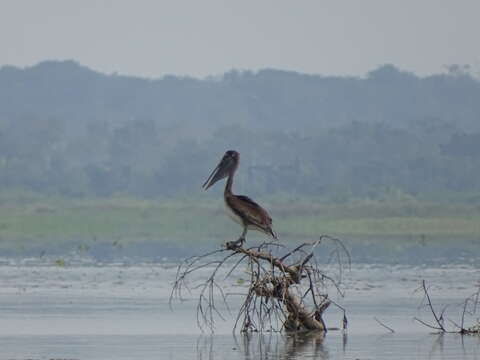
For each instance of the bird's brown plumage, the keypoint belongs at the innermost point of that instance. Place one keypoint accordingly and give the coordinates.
(242, 209)
(253, 215)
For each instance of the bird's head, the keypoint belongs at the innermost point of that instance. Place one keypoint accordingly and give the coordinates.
(225, 167)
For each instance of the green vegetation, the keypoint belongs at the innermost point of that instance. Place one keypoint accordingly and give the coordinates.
(79, 223)
(60, 262)
(95, 164)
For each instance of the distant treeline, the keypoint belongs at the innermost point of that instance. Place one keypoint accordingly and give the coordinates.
(65, 129)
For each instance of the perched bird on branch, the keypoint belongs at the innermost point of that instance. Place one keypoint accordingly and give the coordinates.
(241, 209)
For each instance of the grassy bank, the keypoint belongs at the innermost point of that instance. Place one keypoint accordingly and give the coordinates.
(33, 221)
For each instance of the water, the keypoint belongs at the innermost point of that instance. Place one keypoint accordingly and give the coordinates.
(115, 311)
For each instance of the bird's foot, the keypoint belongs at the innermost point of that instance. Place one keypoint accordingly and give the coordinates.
(235, 244)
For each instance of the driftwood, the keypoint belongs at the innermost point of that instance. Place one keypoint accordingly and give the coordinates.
(287, 290)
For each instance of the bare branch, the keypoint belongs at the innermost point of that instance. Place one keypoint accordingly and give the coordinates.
(275, 287)
(385, 326)
(439, 319)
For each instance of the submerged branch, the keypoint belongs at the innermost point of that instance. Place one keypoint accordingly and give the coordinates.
(472, 301)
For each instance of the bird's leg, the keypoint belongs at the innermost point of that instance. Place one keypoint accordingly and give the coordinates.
(242, 237)
(240, 240)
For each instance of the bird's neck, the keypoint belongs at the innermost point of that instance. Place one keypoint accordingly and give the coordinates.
(228, 185)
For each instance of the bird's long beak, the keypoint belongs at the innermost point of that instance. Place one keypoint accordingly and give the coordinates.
(220, 172)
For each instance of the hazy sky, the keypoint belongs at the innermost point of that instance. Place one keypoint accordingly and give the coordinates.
(209, 37)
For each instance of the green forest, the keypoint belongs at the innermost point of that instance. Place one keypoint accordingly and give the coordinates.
(67, 130)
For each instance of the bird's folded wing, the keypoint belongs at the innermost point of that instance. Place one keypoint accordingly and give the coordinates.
(250, 211)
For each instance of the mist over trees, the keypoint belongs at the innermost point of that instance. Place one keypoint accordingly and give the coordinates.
(67, 130)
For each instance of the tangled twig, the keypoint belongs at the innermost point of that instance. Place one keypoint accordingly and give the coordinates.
(469, 307)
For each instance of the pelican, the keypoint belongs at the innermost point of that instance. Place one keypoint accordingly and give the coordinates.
(240, 208)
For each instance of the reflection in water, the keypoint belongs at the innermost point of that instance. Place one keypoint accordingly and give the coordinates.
(311, 343)
(438, 345)
(269, 346)
(335, 346)
(468, 346)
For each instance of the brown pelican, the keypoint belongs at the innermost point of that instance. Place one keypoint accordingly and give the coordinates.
(241, 208)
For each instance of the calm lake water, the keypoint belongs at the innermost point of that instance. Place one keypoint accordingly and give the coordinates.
(116, 311)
